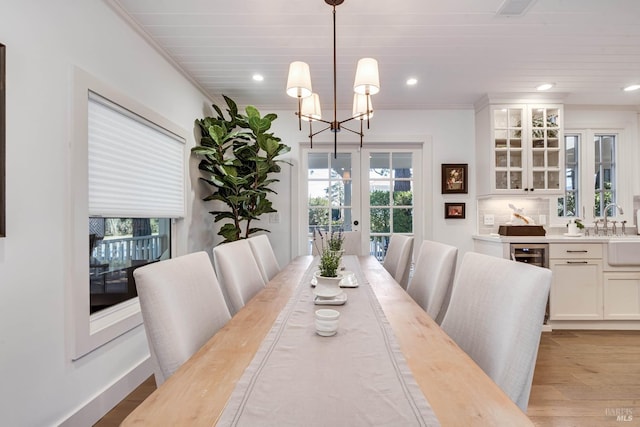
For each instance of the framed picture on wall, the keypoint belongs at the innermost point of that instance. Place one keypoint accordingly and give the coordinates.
(454, 178)
(454, 210)
(3, 127)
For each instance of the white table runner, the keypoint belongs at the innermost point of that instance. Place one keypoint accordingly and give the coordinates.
(358, 377)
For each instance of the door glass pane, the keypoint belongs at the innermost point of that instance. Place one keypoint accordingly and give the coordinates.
(538, 180)
(379, 218)
(329, 188)
(515, 117)
(500, 118)
(403, 193)
(318, 165)
(501, 180)
(515, 159)
(538, 159)
(537, 117)
(402, 165)
(403, 220)
(516, 180)
(553, 180)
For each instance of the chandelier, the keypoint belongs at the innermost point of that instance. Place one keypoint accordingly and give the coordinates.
(367, 83)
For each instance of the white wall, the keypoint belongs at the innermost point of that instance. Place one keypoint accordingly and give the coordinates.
(39, 384)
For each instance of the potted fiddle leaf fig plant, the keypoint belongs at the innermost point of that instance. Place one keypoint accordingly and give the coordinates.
(238, 160)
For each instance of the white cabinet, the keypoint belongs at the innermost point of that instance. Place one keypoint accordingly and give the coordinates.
(622, 295)
(576, 288)
(520, 149)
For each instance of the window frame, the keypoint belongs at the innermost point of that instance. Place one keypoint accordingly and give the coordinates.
(85, 331)
(586, 181)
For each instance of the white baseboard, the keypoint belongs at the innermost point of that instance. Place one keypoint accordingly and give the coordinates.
(97, 407)
(619, 325)
(546, 328)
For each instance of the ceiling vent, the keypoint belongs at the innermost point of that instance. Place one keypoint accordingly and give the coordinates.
(515, 7)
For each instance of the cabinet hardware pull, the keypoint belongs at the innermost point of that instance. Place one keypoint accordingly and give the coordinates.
(577, 262)
(575, 252)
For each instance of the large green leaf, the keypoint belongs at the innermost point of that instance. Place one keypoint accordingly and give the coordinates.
(237, 157)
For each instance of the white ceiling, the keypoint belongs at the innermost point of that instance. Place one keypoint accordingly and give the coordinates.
(459, 50)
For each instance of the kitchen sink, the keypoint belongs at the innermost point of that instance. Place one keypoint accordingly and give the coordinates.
(624, 250)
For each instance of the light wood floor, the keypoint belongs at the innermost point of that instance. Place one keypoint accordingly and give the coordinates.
(582, 379)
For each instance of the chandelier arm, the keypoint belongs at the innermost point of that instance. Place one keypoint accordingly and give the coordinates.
(320, 131)
(311, 133)
(352, 131)
(299, 113)
(313, 119)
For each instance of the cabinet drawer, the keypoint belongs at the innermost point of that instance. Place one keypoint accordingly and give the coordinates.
(575, 250)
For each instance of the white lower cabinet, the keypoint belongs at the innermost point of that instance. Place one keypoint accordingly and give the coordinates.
(622, 295)
(576, 289)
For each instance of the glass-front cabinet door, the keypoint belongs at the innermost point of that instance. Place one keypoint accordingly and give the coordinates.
(526, 151)
(507, 148)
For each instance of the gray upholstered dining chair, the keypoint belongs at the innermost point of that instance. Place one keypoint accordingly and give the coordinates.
(264, 255)
(238, 272)
(432, 278)
(495, 315)
(182, 307)
(397, 260)
(352, 243)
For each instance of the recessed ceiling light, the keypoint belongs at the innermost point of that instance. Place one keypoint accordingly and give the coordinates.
(545, 86)
(631, 88)
(258, 77)
(412, 81)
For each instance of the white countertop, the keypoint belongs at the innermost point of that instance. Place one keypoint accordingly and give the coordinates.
(550, 238)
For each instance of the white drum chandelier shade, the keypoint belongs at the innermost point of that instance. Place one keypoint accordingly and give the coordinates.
(367, 83)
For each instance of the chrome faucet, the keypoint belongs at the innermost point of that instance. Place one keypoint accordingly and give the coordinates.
(606, 209)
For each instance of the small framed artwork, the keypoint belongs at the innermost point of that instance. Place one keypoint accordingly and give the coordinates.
(454, 178)
(454, 210)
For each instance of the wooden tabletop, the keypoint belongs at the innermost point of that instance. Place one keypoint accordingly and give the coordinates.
(457, 389)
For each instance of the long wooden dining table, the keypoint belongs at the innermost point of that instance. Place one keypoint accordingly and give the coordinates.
(459, 392)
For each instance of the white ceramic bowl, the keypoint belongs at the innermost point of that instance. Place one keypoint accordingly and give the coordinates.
(327, 322)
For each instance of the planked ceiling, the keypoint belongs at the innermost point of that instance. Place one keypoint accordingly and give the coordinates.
(459, 50)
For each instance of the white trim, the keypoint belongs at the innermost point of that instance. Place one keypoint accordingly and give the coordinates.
(101, 403)
(423, 177)
(624, 187)
(85, 332)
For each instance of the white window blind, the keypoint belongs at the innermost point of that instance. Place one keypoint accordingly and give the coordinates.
(136, 168)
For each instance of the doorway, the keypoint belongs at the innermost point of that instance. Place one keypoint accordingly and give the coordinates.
(376, 191)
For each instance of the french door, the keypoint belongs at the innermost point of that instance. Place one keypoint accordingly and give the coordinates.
(375, 191)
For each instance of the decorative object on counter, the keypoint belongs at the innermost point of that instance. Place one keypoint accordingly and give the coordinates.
(518, 217)
(238, 162)
(521, 230)
(454, 178)
(454, 210)
(574, 227)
